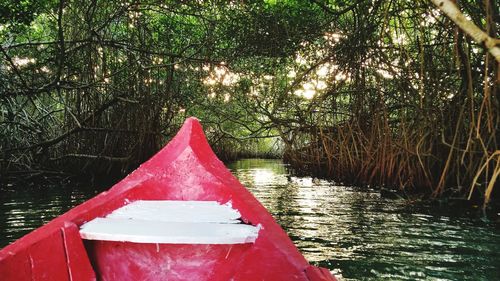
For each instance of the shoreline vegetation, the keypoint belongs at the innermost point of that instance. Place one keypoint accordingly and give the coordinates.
(397, 94)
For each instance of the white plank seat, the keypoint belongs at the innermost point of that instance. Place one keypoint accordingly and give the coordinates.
(172, 222)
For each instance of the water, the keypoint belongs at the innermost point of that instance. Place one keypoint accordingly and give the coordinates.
(360, 236)
(25, 209)
(354, 232)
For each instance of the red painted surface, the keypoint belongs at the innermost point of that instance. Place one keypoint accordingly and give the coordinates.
(77, 260)
(186, 169)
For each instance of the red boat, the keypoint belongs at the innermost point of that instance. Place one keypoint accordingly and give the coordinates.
(180, 216)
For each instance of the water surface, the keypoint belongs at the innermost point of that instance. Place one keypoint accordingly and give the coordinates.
(352, 231)
(23, 209)
(360, 236)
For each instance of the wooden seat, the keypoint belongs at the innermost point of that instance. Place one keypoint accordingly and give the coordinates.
(172, 222)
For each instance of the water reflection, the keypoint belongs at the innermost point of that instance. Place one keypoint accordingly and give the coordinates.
(21, 211)
(359, 235)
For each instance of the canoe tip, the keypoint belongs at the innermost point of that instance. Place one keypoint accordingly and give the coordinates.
(192, 119)
(192, 124)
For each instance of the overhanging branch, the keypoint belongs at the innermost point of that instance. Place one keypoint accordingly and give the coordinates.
(451, 10)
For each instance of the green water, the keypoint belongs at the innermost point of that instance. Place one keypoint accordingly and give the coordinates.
(354, 232)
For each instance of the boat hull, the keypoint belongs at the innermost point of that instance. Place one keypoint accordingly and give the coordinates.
(186, 169)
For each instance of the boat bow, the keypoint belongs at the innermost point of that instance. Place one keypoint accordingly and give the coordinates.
(185, 170)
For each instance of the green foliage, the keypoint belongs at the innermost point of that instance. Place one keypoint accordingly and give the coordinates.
(21, 12)
(275, 29)
(372, 92)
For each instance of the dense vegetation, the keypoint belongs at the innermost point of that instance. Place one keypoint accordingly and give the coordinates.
(385, 93)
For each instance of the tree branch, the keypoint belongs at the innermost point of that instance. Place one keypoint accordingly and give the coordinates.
(451, 10)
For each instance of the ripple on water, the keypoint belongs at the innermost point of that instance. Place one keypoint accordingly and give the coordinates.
(21, 212)
(360, 236)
